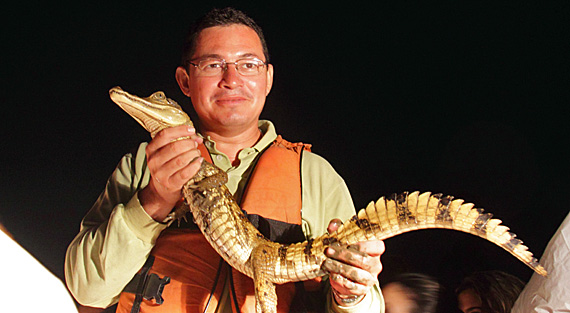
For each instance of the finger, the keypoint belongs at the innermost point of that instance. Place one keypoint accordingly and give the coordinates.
(372, 247)
(156, 158)
(176, 172)
(351, 257)
(181, 177)
(334, 224)
(346, 286)
(169, 135)
(364, 254)
(352, 273)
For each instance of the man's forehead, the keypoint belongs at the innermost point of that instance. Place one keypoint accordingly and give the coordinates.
(233, 40)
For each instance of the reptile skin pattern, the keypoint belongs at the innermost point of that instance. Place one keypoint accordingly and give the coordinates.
(241, 245)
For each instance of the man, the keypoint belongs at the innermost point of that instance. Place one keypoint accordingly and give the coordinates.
(289, 193)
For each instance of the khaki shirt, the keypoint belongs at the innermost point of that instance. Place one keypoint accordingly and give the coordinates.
(117, 235)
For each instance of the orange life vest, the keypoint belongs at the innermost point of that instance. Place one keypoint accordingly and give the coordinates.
(272, 200)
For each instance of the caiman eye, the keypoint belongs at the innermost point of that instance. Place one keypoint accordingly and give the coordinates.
(159, 95)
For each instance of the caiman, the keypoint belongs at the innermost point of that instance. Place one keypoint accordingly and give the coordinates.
(240, 244)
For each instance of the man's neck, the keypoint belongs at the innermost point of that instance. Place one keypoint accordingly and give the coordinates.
(231, 143)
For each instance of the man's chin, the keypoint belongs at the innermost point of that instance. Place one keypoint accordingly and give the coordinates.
(237, 122)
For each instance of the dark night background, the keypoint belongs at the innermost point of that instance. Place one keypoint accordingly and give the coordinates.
(463, 98)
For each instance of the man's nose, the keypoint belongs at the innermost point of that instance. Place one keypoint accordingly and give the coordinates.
(230, 77)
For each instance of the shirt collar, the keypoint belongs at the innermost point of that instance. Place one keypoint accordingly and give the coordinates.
(269, 134)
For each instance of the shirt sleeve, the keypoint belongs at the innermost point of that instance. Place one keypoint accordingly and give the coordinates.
(325, 197)
(115, 238)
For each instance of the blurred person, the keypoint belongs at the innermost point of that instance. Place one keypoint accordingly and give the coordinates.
(488, 292)
(411, 293)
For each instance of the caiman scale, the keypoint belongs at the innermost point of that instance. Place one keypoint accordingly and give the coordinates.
(241, 245)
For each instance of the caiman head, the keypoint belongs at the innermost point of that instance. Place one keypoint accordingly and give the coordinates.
(154, 113)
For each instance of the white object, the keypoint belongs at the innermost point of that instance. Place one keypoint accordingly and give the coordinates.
(550, 294)
(26, 285)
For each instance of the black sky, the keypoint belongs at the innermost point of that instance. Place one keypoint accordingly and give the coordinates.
(463, 98)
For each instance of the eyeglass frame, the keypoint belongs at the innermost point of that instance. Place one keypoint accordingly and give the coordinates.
(226, 63)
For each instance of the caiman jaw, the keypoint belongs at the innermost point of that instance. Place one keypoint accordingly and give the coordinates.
(154, 113)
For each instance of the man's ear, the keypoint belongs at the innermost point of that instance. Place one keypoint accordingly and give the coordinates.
(183, 80)
(269, 78)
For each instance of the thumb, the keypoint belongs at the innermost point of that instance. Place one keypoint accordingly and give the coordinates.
(334, 224)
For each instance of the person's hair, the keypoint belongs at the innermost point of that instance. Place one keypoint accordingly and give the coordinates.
(219, 17)
(498, 290)
(422, 289)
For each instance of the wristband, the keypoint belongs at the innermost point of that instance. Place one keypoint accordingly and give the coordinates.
(346, 299)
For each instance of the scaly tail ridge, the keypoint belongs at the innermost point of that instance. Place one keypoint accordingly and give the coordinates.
(406, 212)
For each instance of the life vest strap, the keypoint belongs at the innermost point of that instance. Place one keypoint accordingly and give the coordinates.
(146, 286)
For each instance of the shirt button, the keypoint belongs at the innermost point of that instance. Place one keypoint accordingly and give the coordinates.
(219, 157)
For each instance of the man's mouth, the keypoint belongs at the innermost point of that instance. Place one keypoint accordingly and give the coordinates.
(230, 99)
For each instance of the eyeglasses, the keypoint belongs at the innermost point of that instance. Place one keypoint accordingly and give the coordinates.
(214, 67)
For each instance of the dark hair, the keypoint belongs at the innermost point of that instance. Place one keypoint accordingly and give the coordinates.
(219, 17)
(422, 289)
(498, 290)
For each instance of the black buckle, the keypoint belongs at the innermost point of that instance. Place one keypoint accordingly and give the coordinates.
(147, 286)
(153, 288)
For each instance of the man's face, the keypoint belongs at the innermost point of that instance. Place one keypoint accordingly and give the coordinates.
(229, 100)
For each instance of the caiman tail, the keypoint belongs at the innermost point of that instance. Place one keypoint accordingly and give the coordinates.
(230, 233)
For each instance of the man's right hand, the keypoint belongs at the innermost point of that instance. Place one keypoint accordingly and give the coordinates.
(172, 162)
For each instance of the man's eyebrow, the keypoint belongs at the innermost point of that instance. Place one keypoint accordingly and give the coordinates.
(249, 55)
(218, 56)
(209, 56)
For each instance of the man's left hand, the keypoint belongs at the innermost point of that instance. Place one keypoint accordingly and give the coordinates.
(353, 269)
